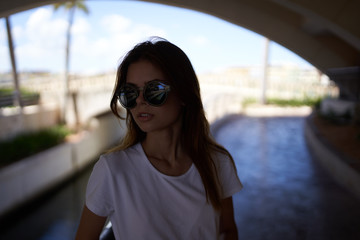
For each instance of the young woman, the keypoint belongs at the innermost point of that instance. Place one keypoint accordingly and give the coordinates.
(168, 179)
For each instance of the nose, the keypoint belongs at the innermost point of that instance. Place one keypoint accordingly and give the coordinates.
(140, 99)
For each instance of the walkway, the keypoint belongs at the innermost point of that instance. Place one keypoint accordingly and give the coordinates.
(286, 194)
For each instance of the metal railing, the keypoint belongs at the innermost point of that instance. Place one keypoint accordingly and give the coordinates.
(26, 100)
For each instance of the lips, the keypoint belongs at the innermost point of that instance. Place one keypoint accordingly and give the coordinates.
(144, 116)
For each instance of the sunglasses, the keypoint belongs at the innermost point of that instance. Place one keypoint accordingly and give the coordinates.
(154, 93)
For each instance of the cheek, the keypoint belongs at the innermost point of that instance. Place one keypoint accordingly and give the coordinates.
(174, 110)
(130, 117)
(133, 117)
(173, 100)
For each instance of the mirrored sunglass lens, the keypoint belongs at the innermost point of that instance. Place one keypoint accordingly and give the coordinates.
(127, 97)
(155, 93)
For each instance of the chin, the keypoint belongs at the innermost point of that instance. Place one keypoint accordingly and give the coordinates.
(144, 128)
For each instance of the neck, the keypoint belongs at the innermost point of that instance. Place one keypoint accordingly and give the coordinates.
(164, 146)
(166, 153)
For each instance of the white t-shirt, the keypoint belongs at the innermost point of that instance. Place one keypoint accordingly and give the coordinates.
(143, 203)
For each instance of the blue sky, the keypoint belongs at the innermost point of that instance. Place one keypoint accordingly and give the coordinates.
(114, 27)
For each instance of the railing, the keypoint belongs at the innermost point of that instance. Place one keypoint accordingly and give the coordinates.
(107, 234)
(26, 100)
(222, 92)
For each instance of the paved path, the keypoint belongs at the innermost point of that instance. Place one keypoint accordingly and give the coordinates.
(286, 194)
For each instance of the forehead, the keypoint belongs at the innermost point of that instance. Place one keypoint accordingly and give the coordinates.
(143, 71)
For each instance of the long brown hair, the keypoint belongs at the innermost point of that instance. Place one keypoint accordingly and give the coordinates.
(196, 137)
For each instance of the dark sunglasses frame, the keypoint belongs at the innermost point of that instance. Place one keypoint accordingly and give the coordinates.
(131, 91)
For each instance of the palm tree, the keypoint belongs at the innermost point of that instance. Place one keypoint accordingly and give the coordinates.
(265, 72)
(70, 7)
(17, 97)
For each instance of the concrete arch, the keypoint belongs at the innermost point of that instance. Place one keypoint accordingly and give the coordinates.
(326, 35)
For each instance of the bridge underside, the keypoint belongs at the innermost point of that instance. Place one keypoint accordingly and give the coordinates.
(325, 33)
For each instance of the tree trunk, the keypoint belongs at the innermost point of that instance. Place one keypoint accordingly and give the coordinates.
(17, 97)
(67, 64)
(265, 72)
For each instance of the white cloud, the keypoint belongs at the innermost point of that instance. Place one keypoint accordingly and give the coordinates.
(144, 30)
(80, 26)
(44, 31)
(199, 40)
(4, 60)
(4, 50)
(18, 32)
(39, 40)
(38, 17)
(115, 23)
(116, 36)
(2, 33)
(95, 47)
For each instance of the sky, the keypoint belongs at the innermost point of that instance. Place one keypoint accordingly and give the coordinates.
(112, 28)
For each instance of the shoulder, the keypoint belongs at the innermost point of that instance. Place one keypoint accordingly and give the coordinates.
(131, 152)
(227, 173)
(224, 164)
(119, 159)
(222, 159)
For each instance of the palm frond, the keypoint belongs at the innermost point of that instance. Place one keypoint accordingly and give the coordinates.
(79, 4)
(82, 6)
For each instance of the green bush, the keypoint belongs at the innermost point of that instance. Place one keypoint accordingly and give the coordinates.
(24, 92)
(27, 97)
(248, 101)
(6, 91)
(31, 143)
(306, 101)
(295, 102)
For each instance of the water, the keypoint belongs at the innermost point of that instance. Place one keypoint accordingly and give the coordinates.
(53, 217)
(286, 194)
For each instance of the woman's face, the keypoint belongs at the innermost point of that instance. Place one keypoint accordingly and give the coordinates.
(150, 118)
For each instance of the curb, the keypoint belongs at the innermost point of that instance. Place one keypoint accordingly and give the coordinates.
(31, 177)
(334, 162)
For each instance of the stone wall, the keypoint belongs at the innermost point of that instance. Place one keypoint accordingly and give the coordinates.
(32, 118)
(26, 179)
